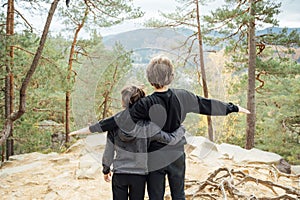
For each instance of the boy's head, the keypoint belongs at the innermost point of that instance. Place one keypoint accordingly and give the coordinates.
(160, 72)
(131, 94)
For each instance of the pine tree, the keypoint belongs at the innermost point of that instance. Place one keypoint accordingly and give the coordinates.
(237, 22)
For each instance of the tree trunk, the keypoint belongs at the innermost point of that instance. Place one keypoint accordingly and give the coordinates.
(203, 74)
(70, 68)
(67, 125)
(108, 93)
(22, 101)
(9, 94)
(9, 81)
(251, 80)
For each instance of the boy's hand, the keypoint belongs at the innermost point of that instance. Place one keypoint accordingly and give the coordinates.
(83, 131)
(243, 110)
(107, 177)
(73, 133)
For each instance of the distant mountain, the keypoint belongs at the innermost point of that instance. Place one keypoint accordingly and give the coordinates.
(141, 38)
(276, 30)
(165, 37)
(171, 40)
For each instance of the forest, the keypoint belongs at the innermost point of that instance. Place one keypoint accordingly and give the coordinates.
(53, 83)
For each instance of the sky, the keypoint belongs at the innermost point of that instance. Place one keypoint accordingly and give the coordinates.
(289, 16)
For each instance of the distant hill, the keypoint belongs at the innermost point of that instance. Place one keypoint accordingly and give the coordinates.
(168, 39)
(276, 30)
(164, 37)
(141, 38)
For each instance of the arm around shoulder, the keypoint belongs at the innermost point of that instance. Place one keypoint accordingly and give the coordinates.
(170, 138)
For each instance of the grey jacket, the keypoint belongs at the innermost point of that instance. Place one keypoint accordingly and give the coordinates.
(127, 152)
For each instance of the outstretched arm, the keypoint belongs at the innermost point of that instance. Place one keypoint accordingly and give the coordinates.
(107, 124)
(83, 131)
(197, 104)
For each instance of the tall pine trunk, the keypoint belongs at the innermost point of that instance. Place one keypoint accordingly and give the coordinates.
(70, 69)
(251, 79)
(203, 74)
(9, 79)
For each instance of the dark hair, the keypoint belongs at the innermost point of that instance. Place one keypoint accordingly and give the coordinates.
(160, 71)
(131, 94)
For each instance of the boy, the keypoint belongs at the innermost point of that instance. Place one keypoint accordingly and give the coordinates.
(130, 162)
(175, 103)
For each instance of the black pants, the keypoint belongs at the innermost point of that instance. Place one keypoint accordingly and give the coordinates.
(175, 172)
(128, 185)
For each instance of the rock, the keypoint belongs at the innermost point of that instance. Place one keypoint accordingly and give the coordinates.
(77, 147)
(48, 123)
(18, 169)
(7, 163)
(51, 196)
(17, 194)
(31, 183)
(92, 143)
(4, 186)
(58, 139)
(284, 166)
(89, 166)
(295, 169)
(60, 160)
(203, 148)
(240, 155)
(3, 174)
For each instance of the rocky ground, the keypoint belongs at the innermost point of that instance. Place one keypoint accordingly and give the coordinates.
(213, 172)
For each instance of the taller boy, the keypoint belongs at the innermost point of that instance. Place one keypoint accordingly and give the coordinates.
(167, 108)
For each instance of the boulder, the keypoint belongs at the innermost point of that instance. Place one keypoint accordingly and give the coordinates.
(295, 169)
(203, 150)
(240, 155)
(89, 166)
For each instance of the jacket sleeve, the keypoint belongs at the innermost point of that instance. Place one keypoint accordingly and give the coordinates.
(109, 153)
(192, 103)
(169, 138)
(107, 124)
(120, 120)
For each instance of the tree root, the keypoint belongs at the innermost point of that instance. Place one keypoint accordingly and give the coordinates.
(234, 184)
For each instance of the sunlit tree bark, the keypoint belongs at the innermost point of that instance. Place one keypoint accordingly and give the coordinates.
(9, 81)
(251, 78)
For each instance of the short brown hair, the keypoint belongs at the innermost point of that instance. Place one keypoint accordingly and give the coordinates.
(131, 94)
(160, 71)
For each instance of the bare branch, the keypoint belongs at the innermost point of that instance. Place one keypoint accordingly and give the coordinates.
(25, 20)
